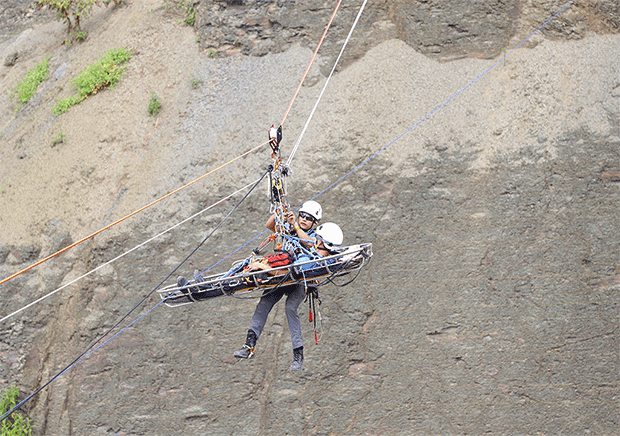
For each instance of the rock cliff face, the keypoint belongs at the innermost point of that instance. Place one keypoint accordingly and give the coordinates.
(443, 30)
(491, 302)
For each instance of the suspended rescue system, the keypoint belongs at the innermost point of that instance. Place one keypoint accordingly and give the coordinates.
(283, 269)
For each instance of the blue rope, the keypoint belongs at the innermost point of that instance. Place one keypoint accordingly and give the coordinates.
(86, 352)
(84, 356)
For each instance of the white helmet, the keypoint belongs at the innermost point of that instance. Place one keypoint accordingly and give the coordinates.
(313, 209)
(331, 235)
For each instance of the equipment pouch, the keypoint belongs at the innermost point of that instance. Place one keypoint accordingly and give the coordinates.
(281, 258)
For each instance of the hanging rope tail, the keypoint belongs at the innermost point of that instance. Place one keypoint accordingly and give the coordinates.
(312, 295)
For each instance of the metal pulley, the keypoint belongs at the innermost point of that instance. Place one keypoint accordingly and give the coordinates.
(275, 136)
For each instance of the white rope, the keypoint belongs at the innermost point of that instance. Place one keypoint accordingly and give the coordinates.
(290, 158)
(127, 252)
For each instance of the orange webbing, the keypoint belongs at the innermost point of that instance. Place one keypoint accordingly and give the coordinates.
(130, 215)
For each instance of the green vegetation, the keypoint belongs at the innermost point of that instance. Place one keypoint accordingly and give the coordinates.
(154, 105)
(197, 83)
(60, 139)
(27, 87)
(80, 36)
(15, 424)
(63, 106)
(190, 15)
(186, 8)
(103, 73)
(71, 11)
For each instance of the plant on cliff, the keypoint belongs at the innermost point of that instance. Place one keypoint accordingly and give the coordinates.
(105, 72)
(186, 8)
(154, 105)
(72, 11)
(15, 424)
(28, 86)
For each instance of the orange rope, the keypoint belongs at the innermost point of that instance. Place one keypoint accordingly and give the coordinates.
(199, 178)
(130, 215)
(311, 61)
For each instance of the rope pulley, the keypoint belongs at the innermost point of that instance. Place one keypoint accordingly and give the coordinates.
(275, 136)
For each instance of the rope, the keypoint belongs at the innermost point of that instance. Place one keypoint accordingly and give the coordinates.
(129, 216)
(86, 353)
(126, 253)
(312, 296)
(290, 158)
(329, 23)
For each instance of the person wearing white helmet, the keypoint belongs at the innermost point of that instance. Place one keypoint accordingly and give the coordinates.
(309, 214)
(313, 209)
(329, 238)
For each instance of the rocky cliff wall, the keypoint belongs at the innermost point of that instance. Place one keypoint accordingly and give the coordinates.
(442, 30)
(490, 305)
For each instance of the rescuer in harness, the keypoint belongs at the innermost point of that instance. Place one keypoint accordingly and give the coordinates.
(309, 215)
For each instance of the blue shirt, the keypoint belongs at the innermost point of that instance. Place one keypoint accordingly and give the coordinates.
(304, 258)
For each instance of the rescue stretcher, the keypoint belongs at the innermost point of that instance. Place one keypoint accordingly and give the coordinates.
(348, 260)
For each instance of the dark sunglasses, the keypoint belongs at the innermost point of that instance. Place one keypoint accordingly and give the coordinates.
(306, 216)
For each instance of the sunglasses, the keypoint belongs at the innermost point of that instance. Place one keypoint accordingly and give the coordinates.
(306, 216)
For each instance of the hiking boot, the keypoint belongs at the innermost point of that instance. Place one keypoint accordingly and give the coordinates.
(198, 277)
(298, 359)
(247, 351)
(181, 281)
(201, 283)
